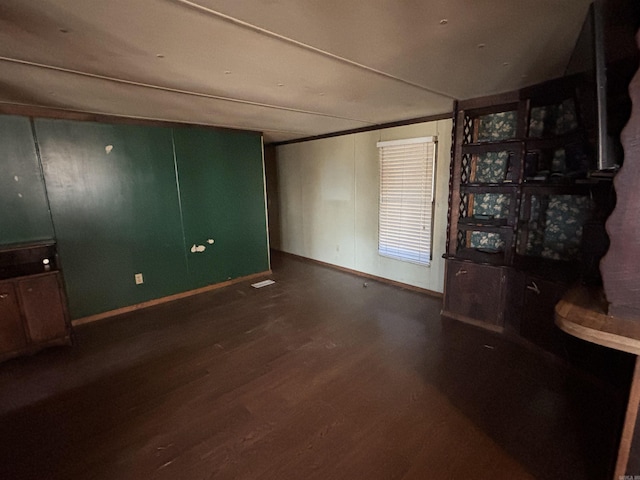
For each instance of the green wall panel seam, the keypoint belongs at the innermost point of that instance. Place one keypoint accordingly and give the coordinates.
(266, 205)
(177, 176)
(41, 169)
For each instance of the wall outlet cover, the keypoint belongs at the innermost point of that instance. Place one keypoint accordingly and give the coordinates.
(138, 278)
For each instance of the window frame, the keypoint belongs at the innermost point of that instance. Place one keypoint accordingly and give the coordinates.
(416, 251)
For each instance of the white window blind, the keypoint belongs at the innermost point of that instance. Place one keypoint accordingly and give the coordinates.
(406, 199)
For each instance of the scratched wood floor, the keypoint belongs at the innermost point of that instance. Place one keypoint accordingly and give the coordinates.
(315, 377)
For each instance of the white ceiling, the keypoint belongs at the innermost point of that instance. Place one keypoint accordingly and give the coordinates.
(288, 68)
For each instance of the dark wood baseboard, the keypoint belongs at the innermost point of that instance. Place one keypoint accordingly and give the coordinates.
(170, 298)
(388, 281)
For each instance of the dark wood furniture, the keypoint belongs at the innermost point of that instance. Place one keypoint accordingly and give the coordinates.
(620, 269)
(522, 205)
(583, 313)
(33, 310)
(614, 320)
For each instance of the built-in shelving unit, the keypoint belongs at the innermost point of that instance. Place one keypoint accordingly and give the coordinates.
(521, 200)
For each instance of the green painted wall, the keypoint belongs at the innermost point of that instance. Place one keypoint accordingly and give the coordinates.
(116, 213)
(221, 178)
(127, 199)
(24, 216)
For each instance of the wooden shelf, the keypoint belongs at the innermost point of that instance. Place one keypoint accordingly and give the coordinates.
(476, 227)
(506, 187)
(527, 157)
(477, 256)
(582, 312)
(484, 147)
(554, 142)
(479, 222)
(545, 188)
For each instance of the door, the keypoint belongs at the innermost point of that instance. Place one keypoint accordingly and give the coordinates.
(12, 335)
(43, 307)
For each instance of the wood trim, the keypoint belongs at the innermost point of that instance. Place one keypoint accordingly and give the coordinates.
(170, 298)
(476, 323)
(35, 111)
(358, 273)
(628, 429)
(582, 312)
(490, 103)
(379, 126)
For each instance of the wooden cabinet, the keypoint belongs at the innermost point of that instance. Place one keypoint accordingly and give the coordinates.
(521, 199)
(43, 307)
(481, 293)
(33, 312)
(537, 322)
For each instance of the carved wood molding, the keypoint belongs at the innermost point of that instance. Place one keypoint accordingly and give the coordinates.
(620, 267)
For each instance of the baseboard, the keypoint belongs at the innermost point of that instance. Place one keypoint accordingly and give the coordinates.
(170, 298)
(388, 281)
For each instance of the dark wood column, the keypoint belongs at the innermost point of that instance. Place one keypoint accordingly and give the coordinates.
(620, 267)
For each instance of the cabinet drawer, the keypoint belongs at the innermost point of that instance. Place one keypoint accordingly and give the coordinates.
(12, 336)
(43, 307)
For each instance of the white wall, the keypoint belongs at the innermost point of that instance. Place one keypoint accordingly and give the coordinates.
(328, 195)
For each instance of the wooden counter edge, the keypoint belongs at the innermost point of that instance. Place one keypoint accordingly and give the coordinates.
(581, 308)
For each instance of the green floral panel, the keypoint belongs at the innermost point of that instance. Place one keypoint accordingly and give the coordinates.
(497, 126)
(491, 205)
(566, 215)
(553, 119)
(556, 232)
(558, 161)
(491, 167)
(492, 242)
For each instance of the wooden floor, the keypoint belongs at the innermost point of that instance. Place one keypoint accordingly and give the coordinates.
(314, 377)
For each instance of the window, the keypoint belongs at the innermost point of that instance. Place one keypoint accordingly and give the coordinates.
(406, 199)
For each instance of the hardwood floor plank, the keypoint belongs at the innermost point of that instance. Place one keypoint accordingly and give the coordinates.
(313, 377)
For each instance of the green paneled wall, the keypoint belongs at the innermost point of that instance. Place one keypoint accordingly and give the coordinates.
(221, 177)
(127, 199)
(114, 203)
(24, 215)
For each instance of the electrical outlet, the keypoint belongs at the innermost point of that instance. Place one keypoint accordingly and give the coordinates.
(138, 278)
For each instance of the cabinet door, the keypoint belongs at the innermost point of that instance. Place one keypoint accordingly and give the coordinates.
(43, 307)
(538, 321)
(474, 293)
(12, 335)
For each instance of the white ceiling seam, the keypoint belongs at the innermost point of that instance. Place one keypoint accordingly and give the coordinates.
(263, 31)
(291, 69)
(175, 90)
